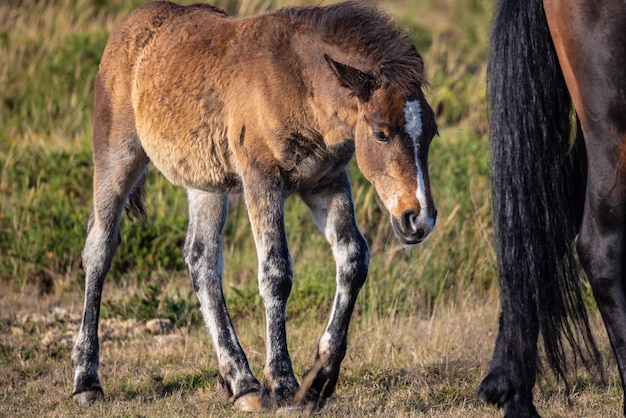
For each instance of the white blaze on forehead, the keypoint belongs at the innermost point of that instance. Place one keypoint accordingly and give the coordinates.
(413, 126)
(413, 118)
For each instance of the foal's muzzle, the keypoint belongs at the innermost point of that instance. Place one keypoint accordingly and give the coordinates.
(413, 227)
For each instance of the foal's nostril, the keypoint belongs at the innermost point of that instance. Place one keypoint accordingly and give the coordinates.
(412, 227)
(415, 226)
(409, 222)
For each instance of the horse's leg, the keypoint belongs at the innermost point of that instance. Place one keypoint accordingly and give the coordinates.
(594, 76)
(510, 380)
(513, 372)
(119, 162)
(602, 240)
(333, 211)
(265, 200)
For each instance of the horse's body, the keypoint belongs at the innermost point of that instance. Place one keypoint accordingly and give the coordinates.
(267, 106)
(544, 57)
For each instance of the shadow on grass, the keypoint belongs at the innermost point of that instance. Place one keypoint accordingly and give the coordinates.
(157, 386)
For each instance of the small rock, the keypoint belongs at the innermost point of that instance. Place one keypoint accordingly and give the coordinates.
(114, 329)
(15, 331)
(50, 338)
(159, 326)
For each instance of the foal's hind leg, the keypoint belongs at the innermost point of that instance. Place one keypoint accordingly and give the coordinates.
(116, 171)
(203, 255)
(333, 211)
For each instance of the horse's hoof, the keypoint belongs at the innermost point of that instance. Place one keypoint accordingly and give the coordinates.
(279, 395)
(494, 389)
(250, 402)
(88, 397)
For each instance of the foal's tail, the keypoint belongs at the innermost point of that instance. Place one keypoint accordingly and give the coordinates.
(135, 202)
(536, 213)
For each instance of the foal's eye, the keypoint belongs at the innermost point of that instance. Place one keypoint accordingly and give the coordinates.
(381, 136)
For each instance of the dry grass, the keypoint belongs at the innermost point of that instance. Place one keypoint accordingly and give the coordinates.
(404, 365)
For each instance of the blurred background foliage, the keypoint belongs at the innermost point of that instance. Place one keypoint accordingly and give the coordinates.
(51, 52)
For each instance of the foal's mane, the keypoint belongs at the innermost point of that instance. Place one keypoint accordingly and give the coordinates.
(369, 33)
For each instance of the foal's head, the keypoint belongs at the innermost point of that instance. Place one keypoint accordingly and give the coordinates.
(393, 132)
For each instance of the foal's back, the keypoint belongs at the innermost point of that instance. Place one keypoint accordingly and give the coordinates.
(203, 91)
(133, 39)
(148, 87)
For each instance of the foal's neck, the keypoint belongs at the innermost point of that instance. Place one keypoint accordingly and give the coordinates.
(334, 108)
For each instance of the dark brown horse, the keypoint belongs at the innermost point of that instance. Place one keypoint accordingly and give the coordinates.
(268, 106)
(551, 197)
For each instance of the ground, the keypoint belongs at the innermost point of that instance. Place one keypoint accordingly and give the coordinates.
(404, 365)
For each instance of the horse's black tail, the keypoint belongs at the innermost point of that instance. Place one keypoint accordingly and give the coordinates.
(536, 214)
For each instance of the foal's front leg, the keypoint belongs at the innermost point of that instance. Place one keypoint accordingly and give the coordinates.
(333, 211)
(265, 201)
(204, 258)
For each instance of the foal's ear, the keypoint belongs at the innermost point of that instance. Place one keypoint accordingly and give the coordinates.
(361, 84)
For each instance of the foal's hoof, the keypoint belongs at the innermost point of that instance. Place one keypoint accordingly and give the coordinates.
(250, 402)
(317, 385)
(88, 397)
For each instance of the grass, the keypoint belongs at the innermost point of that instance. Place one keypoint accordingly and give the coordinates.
(402, 364)
(424, 323)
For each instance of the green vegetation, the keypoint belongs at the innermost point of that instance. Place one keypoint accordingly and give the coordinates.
(53, 49)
